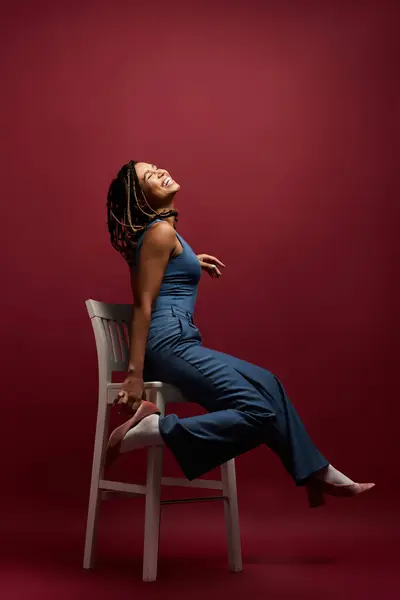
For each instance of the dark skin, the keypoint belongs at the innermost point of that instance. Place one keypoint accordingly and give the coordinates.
(160, 243)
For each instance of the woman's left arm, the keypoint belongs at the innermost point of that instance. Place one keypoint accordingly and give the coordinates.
(210, 264)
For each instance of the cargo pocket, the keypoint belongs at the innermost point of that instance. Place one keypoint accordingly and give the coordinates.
(189, 331)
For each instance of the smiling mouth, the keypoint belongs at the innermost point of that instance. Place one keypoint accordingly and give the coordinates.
(167, 182)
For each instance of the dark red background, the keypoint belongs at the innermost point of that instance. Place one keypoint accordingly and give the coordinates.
(280, 121)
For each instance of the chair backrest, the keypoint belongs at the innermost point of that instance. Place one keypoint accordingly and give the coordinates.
(111, 325)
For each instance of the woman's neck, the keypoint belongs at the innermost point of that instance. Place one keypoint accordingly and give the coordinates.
(171, 220)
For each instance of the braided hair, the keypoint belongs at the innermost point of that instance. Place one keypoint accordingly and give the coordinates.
(128, 212)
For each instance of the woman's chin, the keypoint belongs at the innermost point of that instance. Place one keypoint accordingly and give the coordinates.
(174, 189)
(167, 196)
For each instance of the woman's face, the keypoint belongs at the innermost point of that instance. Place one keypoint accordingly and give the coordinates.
(157, 184)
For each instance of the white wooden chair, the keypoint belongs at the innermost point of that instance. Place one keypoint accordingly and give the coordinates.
(111, 325)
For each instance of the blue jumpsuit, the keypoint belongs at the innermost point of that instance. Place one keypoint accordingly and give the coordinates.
(247, 405)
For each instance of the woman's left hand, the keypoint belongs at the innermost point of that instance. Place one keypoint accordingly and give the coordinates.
(210, 264)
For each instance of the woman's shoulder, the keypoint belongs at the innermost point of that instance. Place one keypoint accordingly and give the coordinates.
(160, 235)
(159, 231)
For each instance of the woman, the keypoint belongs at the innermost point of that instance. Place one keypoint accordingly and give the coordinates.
(246, 405)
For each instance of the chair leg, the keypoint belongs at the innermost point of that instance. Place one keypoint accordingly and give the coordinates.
(152, 512)
(97, 469)
(228, 477)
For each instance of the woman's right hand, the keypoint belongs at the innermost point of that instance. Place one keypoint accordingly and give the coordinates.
(131, 394)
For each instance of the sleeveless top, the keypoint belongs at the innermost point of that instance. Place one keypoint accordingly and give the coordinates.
(181, 277)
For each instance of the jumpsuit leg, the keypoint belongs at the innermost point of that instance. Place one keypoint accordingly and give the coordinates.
(295, 449)
(246, 406)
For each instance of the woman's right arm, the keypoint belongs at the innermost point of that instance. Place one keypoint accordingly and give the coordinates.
(158, 243)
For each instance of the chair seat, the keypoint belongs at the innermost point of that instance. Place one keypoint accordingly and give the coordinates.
(170, 392)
